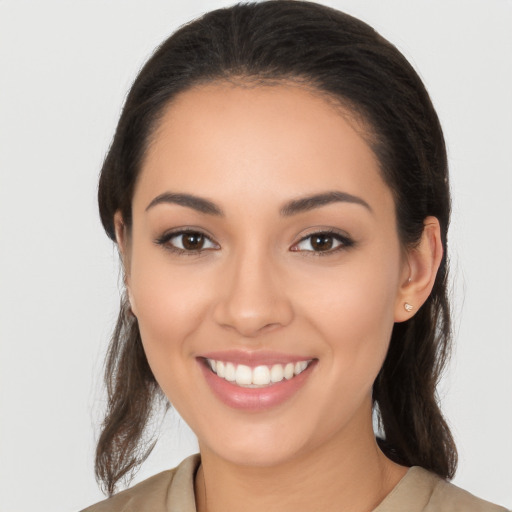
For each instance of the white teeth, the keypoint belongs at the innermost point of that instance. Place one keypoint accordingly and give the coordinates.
(300, 367)
(277, 373)
(243, 375)
(230, 372)
(259, 376)
(288, 371)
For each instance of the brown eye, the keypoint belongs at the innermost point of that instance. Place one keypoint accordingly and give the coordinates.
(192, 241)
(322, 242)
(186, 242)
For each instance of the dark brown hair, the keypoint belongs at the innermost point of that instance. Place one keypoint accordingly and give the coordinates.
(348, 61)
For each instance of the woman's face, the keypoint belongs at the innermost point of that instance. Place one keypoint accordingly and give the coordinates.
(264, 244)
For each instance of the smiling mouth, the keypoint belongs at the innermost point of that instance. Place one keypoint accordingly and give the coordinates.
(258, 377)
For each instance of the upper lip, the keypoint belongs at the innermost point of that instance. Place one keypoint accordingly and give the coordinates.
(254, 358)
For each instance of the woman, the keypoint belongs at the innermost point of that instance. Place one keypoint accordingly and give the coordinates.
(278, 190)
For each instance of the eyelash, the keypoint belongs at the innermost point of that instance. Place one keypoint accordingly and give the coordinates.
(167, 237)
(345, 242)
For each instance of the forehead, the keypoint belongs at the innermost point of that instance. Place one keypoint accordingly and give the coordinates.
(281, 140)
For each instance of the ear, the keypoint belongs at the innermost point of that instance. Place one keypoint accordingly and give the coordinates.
(420, 271)
(121, 238)
(123, 244)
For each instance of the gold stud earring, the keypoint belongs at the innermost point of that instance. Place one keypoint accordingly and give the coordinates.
(408, 307)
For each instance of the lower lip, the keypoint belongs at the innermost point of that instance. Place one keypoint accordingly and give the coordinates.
(254, 399)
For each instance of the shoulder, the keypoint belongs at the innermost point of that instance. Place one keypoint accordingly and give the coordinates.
(152, 491)
(156, 493)
(423, 491)
(449, 497)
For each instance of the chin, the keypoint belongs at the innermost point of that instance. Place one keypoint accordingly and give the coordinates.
(257, 458)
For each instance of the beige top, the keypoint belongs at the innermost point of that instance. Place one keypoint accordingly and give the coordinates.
(173, 491)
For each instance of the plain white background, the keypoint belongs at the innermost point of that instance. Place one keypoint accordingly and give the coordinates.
(65, 70)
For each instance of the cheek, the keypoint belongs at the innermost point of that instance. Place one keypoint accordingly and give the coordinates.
(169, 303)
(169, 311)
(355, 314)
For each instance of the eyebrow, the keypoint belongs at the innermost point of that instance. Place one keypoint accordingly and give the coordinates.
(190, 201)
(293, 207)
(307, 203)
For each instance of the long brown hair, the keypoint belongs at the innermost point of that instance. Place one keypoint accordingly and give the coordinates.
(347, 60)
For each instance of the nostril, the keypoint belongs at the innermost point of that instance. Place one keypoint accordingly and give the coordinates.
(251, 298)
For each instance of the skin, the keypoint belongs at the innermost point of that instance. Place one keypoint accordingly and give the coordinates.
(258, 285)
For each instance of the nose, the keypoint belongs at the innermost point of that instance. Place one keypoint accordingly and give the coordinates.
(253, 297)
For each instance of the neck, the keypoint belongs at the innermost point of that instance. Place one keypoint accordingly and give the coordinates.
(347, 474)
